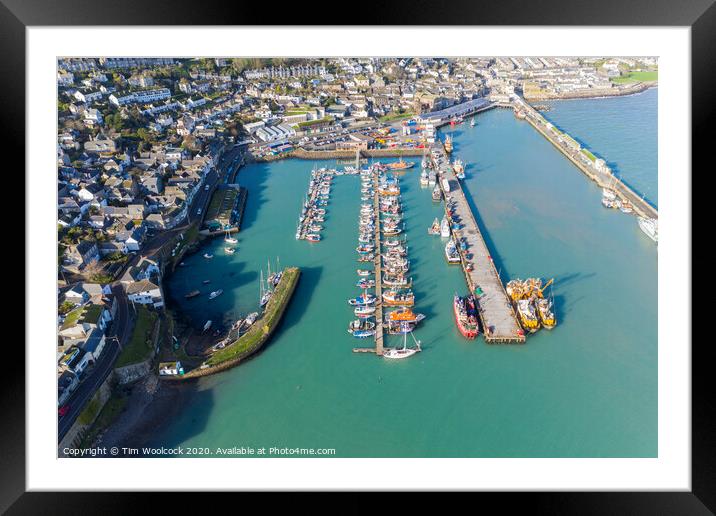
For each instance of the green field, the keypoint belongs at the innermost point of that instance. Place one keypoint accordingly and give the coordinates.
(395, 116)
(139, 346)
(633, 77)
(589, 154)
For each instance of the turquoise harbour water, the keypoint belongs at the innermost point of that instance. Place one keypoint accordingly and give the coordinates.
(586, 389)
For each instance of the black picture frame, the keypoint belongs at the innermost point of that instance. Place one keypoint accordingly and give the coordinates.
(699, 15)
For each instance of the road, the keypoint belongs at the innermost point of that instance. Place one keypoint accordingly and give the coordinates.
(120, 329)
(224, 168)
(117, 336)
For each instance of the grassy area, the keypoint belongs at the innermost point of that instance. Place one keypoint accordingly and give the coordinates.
(139, 346)
(72, 317)
(589, 154)
(633, 77)
(395, 116)
(90, 411)
(262, 328)
(309, 123)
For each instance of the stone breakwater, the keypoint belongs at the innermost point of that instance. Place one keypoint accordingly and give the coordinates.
(256, 337)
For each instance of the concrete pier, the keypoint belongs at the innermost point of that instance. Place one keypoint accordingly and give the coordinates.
(499, 321)
(568, 146)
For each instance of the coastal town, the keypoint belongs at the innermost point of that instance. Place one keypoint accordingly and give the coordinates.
(149, 160)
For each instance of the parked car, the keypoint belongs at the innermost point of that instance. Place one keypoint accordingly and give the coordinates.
(64, 409)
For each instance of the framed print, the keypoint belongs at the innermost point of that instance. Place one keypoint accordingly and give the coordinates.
(409, 257)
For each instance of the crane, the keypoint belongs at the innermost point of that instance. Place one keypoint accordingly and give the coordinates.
(545, 286)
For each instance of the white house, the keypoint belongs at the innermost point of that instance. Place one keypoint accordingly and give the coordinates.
(145, 292)
(170, 368)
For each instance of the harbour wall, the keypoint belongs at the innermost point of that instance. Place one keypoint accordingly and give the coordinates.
(603, 179)
(606, 92)
(267, 330)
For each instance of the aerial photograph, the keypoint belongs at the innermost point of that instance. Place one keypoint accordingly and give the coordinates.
(357, 257)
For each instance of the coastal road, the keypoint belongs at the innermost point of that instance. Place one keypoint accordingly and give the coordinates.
(120, 329)
(225, 167)
(117, 336)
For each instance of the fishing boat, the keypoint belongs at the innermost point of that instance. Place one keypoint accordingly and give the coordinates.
(313, 237)
(396, 298)
(229, 250)
(207, 325)
(472, 122)
(397, 281)
(251, 318)
(364, 272)
(206, 281)
(448, 144)
(456, 121)
(361, 328)
(364, 311)
(465, 311)
(230, 240)
(650, 227)
(364, 299)
(451, 253)
(405, 351)
(215, 294)
(437, 194)
(424, 178)
(527, 315)
(546, 315)
(208, 256)
(392, 243)
(626, 207)
(401, 165)
(191, 294)
(432, 178)
(365, 283)
(444, 228)
(609, 198)
(434, 229)
(458, 166)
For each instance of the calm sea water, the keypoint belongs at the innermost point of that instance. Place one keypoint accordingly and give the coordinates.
(586, 389)
(620, 130)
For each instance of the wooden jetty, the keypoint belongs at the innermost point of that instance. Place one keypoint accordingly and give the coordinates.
(378, 271)
(498, 317)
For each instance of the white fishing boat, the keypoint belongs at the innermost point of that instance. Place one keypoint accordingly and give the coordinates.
(444, 228)
(215, 294)
(364, 311)
(208, 256)
(229, 250)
